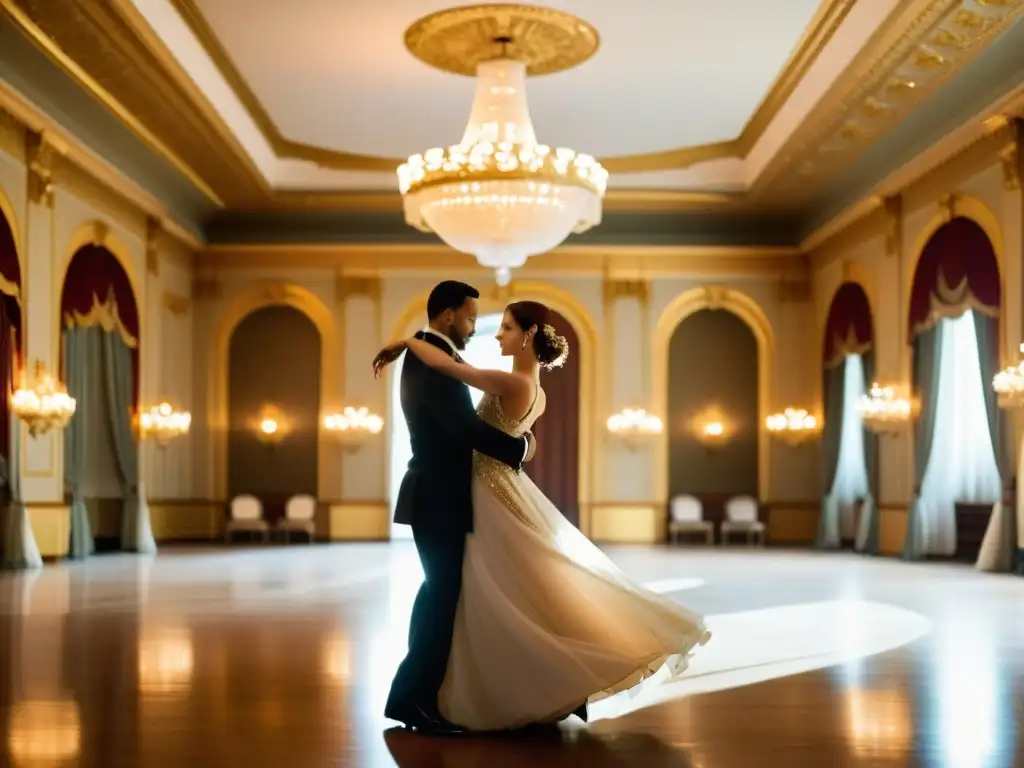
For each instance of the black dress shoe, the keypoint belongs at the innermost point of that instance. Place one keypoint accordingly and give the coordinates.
(418, 720)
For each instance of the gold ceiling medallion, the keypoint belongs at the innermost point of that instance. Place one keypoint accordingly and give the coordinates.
(458, 40)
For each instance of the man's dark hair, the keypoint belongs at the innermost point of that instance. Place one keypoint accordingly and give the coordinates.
(451, 294)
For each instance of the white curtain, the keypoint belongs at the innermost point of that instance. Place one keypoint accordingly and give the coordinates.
(851, 481)
(962, 465)
(482, 351)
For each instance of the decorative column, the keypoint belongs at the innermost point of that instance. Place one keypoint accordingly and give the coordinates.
(892, 359)
(150, 383)
(209, 427)
(42, 457)
(1012, 161)
(627, 469)
(361, 510)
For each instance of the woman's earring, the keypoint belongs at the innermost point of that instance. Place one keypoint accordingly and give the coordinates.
(526, 340)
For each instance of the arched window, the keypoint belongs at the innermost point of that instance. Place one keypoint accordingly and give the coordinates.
(954, 331)
(851, 454)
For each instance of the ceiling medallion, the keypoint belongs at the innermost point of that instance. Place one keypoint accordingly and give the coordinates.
(499, 195)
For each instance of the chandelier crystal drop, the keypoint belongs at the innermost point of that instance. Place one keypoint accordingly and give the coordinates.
(499, 195)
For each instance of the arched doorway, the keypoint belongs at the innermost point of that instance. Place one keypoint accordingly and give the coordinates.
(850, 453)
(954, 329)
(99, 316)
(713, 369)
(274, 359)
(555, 467)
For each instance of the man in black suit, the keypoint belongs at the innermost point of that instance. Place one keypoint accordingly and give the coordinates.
(435, 498)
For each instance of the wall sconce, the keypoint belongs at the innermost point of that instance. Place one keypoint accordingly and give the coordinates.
(270, 425)
(353, 426)
(1009, 385)
(711, 428)
(793, 426)
(163, 423)
(884, 411)
(634, 426)
(42, 402)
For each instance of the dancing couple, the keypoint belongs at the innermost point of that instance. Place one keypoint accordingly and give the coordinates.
(520, 620)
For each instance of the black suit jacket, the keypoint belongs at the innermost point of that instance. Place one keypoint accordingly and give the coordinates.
(444, 430)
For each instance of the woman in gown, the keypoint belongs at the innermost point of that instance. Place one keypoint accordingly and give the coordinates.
(545, 620)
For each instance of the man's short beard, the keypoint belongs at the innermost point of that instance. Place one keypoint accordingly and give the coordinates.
(458, 339)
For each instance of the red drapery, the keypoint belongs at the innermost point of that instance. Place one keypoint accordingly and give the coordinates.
(848, 330)
(10, 327)
(957, 271)
(556, 467)
(97, 291)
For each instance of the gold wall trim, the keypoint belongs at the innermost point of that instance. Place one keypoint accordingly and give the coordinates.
(590, 354)
(917, 49)
(750, 312)
(265, 294)
(615, 201)
(819, 32)
(592, 260)
(175, 303)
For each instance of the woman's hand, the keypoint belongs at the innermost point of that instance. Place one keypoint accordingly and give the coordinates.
(387, 356)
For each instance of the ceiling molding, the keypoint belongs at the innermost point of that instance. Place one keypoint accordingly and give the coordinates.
(85, 37)
(818, 33)
(582, 260)
(922, 46)
(89, 172)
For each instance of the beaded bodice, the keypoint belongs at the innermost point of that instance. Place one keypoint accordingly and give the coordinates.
(490, 411)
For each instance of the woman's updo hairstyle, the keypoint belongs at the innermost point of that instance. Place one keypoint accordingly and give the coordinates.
(550, 348)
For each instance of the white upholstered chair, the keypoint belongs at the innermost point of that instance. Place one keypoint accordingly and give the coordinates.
(246, 515)
(741, 517)
(299, 514)
(686, 515)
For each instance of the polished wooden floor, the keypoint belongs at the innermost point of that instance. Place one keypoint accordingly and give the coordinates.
(282, 657)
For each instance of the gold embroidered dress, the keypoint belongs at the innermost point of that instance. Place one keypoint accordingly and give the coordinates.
(545, 620)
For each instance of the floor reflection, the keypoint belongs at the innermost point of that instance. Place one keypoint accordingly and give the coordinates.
(283, 657)
(564, 748)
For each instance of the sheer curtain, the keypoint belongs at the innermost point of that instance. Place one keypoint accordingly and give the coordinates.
(962, 464)
(851, 481)
(482, 351)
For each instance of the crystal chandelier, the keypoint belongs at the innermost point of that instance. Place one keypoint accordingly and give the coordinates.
(353, 425)
(884, 412)
(1009, 385)
(163, 423)
(499, 195)
(42, 403)
(793, 426)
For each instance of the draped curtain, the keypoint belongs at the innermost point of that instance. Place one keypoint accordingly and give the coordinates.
(957, 273)
(867, 530)
(19, 543)
(848, 331)
(101, 323)
(555, 466)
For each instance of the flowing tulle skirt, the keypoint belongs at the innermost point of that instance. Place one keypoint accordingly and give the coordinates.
(546, 621)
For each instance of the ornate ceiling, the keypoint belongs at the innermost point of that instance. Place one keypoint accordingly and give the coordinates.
(313, 103)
